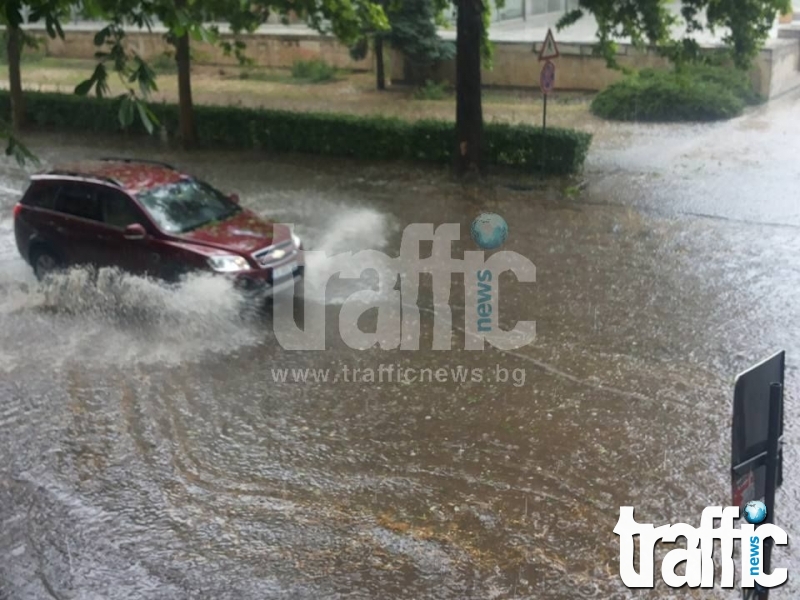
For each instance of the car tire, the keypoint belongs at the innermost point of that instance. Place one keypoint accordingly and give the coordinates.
(45, 263)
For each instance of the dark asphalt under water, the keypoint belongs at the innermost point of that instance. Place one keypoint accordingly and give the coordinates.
(148, 452)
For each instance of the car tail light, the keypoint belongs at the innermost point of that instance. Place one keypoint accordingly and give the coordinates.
(17, 209)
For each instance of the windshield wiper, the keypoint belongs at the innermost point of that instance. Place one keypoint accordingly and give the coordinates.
(196, 226)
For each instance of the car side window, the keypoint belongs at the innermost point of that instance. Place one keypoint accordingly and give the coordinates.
(118, 210)
(78, 200)
(42, 194)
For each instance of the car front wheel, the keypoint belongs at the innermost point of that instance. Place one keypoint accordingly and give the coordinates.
(44, 264)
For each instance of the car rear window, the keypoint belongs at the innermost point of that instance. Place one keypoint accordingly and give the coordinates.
(78, 200)
(42, 194)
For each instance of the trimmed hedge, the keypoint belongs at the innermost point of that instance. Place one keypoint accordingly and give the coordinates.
(369, 137)
(694, 93)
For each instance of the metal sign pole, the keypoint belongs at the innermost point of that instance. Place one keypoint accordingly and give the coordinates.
(756, 453)
(544, 135)
(774, 431)
(547, 80)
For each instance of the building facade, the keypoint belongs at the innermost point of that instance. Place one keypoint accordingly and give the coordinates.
(525, 9)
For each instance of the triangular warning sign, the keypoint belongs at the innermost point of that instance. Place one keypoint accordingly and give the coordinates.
(549, 49)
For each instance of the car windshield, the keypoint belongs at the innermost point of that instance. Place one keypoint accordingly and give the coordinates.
(186, 205)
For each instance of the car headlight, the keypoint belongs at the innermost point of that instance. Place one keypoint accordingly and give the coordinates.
(228, 263)
(296, 239)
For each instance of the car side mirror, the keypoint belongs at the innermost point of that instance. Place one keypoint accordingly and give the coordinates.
(135, 231)
(234, 198)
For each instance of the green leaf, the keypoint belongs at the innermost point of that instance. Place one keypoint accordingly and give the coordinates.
(99, 79)
(126, 111)
(102, 89)
(200, 33)
(144, 76)
(569, 18)
(20, 152)
(29, 40)
(101, 36)
(13, 15)
(147, 117)
(84, 87)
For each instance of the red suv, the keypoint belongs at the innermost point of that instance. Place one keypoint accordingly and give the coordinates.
(148, 218)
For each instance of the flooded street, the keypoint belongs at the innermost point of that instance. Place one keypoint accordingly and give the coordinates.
(150, 451)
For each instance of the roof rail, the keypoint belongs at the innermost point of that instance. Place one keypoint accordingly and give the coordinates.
(138, 160)
(85, 176)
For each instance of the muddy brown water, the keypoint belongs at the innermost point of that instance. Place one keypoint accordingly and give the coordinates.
(148, 452)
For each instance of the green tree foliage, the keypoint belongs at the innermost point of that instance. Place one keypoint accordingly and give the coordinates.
(487, 48)
(747, 24)
(412, 29)
(14, 147)
(15, 39)
(186, 20)
(134, 73)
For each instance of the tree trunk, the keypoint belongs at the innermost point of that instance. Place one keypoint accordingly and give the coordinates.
(188, 132)
(14, 41)
(380, 75)
(469, 113)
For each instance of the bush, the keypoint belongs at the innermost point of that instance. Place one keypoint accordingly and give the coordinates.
(521, 145)
(729, 77)
(315, 70)
(164, 64)
(331, 134)
(693, 93)
(431, 91)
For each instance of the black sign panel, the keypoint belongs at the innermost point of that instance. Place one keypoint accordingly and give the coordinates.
(750, 424)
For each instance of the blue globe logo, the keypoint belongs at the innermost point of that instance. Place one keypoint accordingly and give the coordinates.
(755, 512)
(489, 230)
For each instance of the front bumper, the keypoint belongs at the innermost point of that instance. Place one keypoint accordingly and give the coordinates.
(260, 283)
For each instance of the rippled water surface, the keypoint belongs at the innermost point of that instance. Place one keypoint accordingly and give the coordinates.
(148, 450)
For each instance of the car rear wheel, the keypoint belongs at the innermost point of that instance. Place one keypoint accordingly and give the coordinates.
(45, 264)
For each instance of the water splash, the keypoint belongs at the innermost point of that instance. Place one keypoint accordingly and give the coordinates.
(351, 231)
(108, 316)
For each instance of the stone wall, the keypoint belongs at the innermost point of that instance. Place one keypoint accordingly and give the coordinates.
(266, 50)
(776, 70)
(516, 65)
(783, 66)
